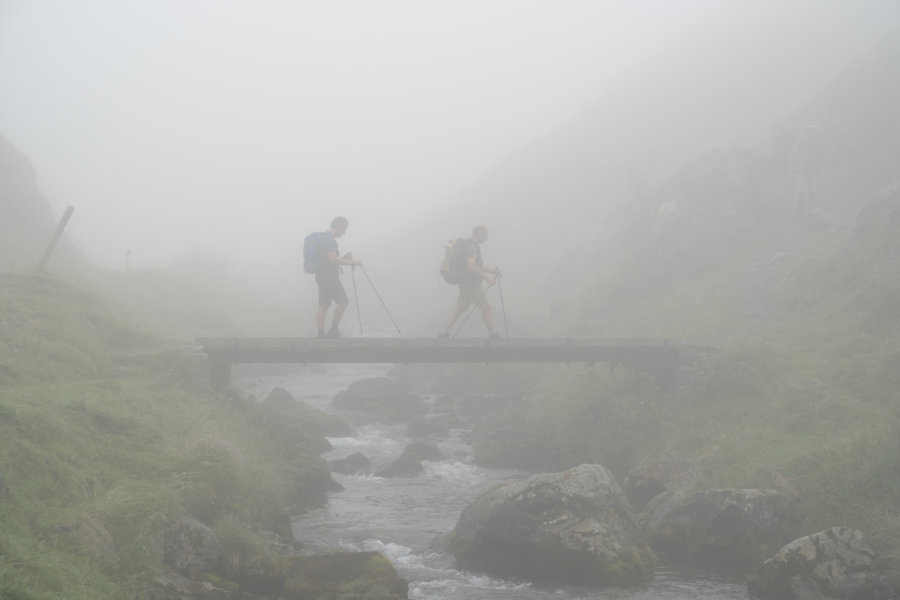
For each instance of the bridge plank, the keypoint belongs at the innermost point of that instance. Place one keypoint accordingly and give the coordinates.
(661, 356)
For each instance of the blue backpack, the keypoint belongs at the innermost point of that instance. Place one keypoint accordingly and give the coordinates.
(314, 257)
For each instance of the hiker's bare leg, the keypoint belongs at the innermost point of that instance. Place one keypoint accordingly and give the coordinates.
(459, 309)
(320, 316)
(338, 313)
(488, 314)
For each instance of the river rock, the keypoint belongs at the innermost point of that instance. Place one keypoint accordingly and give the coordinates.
(407, 465)
(574, 527)
(835, 564)
(424, 450)
(309, 482)
(355, 463)
(740, 526)
(381, 397)
(343, 575)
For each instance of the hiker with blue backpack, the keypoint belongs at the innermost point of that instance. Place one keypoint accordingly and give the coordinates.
(464, 267)
(321, 257)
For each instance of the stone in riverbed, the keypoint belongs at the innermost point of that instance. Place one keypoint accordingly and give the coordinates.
(574, 527)
(833, 564)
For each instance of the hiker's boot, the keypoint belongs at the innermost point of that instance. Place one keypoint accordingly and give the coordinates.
(321, 334)
(334, 333)
(444, 335)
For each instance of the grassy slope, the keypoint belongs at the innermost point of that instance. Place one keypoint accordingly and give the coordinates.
(88, 434)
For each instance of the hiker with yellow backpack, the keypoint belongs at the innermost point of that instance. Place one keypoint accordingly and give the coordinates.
(464, 268)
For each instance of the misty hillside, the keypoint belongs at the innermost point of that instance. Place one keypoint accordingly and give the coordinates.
(597, 216)
(26, 222)
(730, 217)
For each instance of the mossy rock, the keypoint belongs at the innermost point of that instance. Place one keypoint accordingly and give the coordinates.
(345, 576)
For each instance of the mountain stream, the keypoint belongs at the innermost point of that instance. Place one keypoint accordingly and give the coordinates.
(402, 517)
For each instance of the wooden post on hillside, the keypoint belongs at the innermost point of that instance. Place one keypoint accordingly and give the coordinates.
(56, 235)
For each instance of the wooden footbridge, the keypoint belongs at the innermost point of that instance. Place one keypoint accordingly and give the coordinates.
(660, 357)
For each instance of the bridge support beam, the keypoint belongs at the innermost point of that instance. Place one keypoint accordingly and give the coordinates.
(660, 357)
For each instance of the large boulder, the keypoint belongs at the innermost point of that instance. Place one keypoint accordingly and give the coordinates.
(575, 527)
(835, 564)
(298, 426)
(424, 450)
(381, 397)
(738, 526)
(191, 547)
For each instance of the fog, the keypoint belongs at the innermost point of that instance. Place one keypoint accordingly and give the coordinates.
(231, 129)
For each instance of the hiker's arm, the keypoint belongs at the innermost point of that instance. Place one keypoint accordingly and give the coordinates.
(483, 273)
(347, 259)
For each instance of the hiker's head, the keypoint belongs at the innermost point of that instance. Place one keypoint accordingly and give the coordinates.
(339, 226)
(479, 234)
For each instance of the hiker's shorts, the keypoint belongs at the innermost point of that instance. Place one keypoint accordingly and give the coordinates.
(330, 288)
(472, 294)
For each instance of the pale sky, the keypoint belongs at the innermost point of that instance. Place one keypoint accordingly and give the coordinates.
(233, 128)
(190, 125)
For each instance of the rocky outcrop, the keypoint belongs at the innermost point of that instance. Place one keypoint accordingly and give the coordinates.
(299, 431)
(26, 221)
(191, 548)
(382, 398)
(835, 564)
(740, 526)
(575, 526)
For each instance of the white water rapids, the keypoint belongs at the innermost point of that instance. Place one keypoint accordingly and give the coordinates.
(402, 517)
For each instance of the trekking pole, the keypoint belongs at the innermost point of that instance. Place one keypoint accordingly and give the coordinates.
(502, 303)
(356, 298)
(379, 299)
